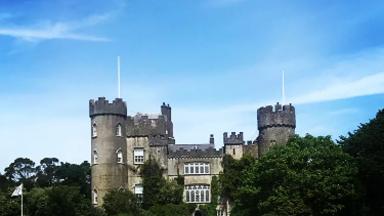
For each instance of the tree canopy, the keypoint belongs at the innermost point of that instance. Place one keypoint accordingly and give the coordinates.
(366, 145)
(308, 176)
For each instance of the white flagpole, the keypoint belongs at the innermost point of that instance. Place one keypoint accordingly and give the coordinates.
(118, 77)
(22, 196)
(283, 88)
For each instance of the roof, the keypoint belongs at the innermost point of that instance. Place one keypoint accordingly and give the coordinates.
(193, 151)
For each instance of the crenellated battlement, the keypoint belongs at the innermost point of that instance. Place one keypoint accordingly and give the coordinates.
(276, 116)
(233, 139)
(103, 107)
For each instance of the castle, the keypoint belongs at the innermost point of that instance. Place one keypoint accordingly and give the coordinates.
(120, 144)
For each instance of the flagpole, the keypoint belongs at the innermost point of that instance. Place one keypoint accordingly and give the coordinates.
(22, 213)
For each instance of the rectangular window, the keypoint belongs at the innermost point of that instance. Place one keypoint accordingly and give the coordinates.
(138, 191)
(196, 168)
(138, 156)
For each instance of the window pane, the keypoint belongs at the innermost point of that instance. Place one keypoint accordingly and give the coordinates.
(192, 196)
(187, 195)
(197, 196)
(207, 195)
(202, 196)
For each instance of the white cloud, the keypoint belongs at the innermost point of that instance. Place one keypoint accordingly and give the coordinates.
(366, 85)
(56, 30)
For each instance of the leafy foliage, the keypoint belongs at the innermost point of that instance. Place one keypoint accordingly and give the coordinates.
(22, 170)
(119, 202)
(366, 145)
(153, 181)
(308, 176)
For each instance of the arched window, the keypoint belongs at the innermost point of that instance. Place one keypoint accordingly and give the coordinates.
(119, 154)
(94, 130)
(94, 200)
(233, 151)
(95, 157)
(118, 130)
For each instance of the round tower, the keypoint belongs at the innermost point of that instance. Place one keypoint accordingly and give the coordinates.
(108, 147)
(276, 125)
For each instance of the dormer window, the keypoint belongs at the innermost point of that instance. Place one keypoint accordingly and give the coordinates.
(95, 157)
(119, 156)
(118, 130)
(94, 130)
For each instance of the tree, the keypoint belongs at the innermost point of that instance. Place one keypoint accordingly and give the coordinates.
(308, 176)
(8, 206)
(46, 172)
(153, 181)
(231, 178)
(171, 209)
(22, 170)
(68, 201)
(171, 193)
(76, 175)
(366, 145)
(120, 202)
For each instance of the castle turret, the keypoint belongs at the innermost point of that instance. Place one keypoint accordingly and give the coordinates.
(108, 146)
(167, 113)
(276, 125)
(233, 144)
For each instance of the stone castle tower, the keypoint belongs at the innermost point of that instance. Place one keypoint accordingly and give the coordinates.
(276, 125)
(108, 146)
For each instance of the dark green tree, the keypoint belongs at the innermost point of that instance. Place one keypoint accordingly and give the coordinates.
(308, 176)
(171, 209)
(231, 178)
(153, 181)
(68, 201)
(75, 175)
(171, 193)
(9, 206)
(121, 203)
(22, 170)
(46, 172)
(366, 145)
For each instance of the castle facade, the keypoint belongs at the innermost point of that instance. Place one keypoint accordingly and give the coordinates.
(120, 144)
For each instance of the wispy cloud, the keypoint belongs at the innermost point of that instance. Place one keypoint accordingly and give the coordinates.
(366, 85)
(56, 30)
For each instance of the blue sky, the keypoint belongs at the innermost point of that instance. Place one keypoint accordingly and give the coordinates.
(214, 61)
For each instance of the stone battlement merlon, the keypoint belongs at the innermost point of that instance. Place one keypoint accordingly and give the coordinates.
(233, 139)
(277, 116)
(102, 106)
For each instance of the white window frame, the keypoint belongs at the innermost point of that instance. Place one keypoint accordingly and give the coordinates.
(138, 156)
(118, 131)
(197, 193)
(119, 156)
(95, 197)
(138, 190)
(197, 168)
